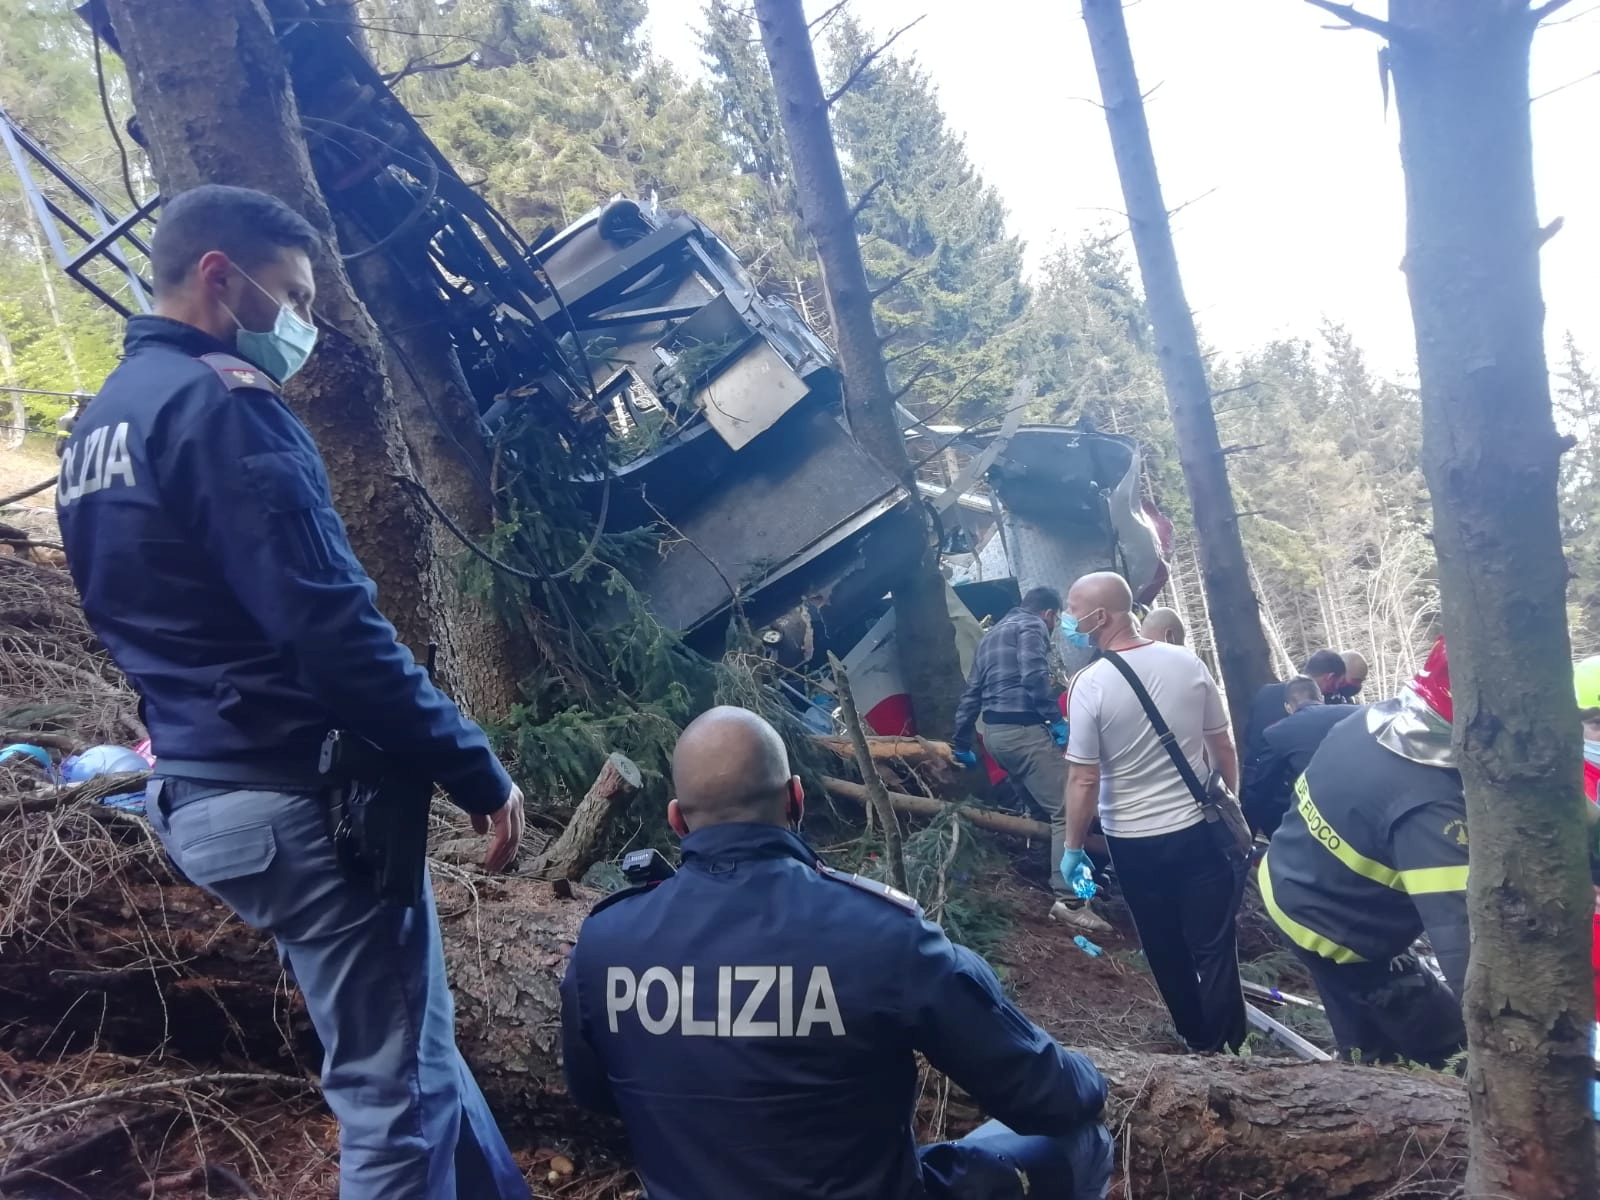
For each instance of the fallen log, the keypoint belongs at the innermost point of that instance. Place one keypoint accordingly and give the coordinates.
(578, 846)
(909, 748)
(927, 806)
(1217, 1128)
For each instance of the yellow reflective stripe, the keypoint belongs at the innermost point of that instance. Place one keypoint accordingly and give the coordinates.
(1332, 842)
(1297, 933)
(1427, 881)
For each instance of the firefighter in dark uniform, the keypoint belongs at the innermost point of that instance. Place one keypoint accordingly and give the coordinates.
(755, 1018)
(1371, 854)
(201, 535)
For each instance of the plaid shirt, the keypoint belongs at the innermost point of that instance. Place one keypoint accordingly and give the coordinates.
(1010, 675)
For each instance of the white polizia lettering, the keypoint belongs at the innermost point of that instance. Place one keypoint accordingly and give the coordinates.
(750, 1002)
(97, 461)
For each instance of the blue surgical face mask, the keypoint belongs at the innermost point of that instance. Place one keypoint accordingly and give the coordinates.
(281, 350)
(1075, 636)
(1591, 752)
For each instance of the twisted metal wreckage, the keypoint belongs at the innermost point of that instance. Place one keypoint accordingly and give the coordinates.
(639, 327)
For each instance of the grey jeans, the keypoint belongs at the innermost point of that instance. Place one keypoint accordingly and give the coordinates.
(1031, 757)
(412, 1123)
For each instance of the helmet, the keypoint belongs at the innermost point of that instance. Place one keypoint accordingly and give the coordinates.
(1586, 681)
(1431, 684)
(1416, 723)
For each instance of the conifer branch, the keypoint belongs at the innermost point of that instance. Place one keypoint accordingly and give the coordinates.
(1547, 8)
(865, 199)
(1354, 18)
(826, 18)
(867, 59)
(891, 284)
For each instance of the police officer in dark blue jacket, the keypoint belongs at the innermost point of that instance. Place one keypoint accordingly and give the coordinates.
(754, 1019)
(202, 536)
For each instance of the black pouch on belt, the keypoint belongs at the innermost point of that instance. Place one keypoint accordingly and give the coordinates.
(379, 815)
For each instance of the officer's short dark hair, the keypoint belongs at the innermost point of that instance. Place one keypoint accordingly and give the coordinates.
(1042, 599)
(1300, 692)
(1324, 662)
(250, 227)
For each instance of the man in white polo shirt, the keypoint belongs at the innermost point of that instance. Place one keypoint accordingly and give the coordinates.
(1179, 885)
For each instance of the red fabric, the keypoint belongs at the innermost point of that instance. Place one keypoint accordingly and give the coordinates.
(1591, 789)
(1432, 683)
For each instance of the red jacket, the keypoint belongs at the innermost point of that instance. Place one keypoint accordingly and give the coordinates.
(1591, 787)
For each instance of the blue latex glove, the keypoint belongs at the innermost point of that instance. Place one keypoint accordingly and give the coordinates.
(1076, 868)
(1058, 732)
(965, 757)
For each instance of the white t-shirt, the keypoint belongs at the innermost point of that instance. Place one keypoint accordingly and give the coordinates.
(1141, 792)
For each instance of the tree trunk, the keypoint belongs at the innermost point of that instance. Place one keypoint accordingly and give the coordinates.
(1219, 1128)
(1491, 457)
(923, 630)
(1241, 646)
(215, 106)
(481, 656)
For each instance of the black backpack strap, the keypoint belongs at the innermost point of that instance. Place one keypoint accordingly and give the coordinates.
(1164, 735)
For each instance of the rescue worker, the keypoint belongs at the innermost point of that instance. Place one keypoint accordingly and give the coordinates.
(1290, 743)
(1163, 625)
(1023, 727)
(1350, 684)
(202, 537)
(1586, 678)
(1181, 888)
(1372, 854)
(1266, 709)
(755, 1019)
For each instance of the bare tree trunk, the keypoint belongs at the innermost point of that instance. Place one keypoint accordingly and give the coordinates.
(1241, 647)
(17, 428)
(215, 106)
(923, 630)
(1491, 457)
(47, 272)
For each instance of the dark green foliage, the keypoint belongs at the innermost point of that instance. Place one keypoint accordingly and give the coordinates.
(953, 323)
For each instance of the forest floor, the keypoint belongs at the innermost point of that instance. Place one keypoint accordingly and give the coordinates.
(33, 462)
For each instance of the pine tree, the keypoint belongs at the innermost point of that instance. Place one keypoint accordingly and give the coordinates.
(931, 223)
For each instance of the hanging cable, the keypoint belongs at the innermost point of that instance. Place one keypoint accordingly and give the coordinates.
(111, 121)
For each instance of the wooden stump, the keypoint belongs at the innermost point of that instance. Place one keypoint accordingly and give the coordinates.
(575, 851)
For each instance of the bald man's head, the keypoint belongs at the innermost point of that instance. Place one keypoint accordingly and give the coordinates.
(1163, 625)
(731, 766)
(1102, 603)
(1355, 666)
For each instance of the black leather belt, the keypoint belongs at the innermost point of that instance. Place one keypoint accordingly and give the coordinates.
(271, 776)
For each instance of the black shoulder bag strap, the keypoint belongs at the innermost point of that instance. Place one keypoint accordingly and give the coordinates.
(1164, 735)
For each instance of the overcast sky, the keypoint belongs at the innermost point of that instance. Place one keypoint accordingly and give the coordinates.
(1281, 116)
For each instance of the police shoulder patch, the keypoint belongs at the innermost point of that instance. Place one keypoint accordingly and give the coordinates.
(623, 894)
(235, 373)
(871, 886)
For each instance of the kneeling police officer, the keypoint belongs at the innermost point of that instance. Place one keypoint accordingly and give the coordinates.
(200, 531)
(754, 1019)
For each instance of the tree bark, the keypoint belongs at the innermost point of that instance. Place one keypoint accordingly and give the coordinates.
(575, 851)
(1491, 457)
(215, 106)
(1225, 574)
(923, 629)
(1218, 1128)
(481, 655)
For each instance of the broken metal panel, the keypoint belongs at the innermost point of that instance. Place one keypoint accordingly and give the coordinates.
(784, 502)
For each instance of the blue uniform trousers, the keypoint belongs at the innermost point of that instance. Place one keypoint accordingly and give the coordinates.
(993, 1163)
(413, 1124)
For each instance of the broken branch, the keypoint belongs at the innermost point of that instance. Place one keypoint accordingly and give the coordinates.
(1354, 18)
(867, 60)
(927, 806)
(875, 791)
(576, 850)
